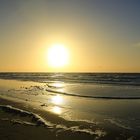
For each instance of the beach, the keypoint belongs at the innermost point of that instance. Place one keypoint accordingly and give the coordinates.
(21, 125)
(69, 70)
(36, 109)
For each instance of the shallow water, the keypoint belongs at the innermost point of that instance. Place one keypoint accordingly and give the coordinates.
(113, 108)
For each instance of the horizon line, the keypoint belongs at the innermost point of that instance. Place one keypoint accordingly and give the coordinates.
(62, 72)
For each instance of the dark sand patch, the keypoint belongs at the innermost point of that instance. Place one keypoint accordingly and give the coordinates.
(21, 124)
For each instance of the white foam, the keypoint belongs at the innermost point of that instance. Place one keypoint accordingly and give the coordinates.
(118, 124)
(99, 133)
(35, 118)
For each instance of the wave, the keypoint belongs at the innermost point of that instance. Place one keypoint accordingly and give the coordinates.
(99, 78)
(119, 124)
(91, 96)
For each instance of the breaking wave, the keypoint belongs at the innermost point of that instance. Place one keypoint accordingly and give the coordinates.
(98, 78)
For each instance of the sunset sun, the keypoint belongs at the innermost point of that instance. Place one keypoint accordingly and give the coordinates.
(57, 56)
(70, 69)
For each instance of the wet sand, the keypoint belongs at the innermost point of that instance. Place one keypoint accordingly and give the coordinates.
(15, 125)
(29, 111)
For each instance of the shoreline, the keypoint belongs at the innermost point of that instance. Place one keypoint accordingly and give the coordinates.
(27, 108)
(18, 125)
(52, 132)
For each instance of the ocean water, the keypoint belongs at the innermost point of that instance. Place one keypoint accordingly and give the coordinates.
(98, 78)
(104, 85)
(107, 103)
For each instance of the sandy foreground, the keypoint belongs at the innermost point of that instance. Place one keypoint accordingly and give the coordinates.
(16, 124)
(27, 111)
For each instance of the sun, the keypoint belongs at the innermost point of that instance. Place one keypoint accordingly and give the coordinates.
(57, 55)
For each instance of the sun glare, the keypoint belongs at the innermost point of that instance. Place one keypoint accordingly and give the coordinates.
(56, 110)
(57, 55)
(57, 100)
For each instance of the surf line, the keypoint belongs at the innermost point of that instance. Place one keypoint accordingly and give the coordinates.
(98, 97)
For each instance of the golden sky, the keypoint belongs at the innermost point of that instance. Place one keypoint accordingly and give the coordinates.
(99, 36)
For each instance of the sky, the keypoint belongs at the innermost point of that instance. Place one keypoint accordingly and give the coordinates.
(100, 35)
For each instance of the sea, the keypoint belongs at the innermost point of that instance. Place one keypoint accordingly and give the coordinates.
(109, 102)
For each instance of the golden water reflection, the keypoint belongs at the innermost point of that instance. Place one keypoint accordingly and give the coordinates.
(58, 84)
(56, 110)
(57, 100)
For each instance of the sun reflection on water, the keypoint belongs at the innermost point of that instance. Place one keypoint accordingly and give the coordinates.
(57, 85)
(56, 110)
(57, 100)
